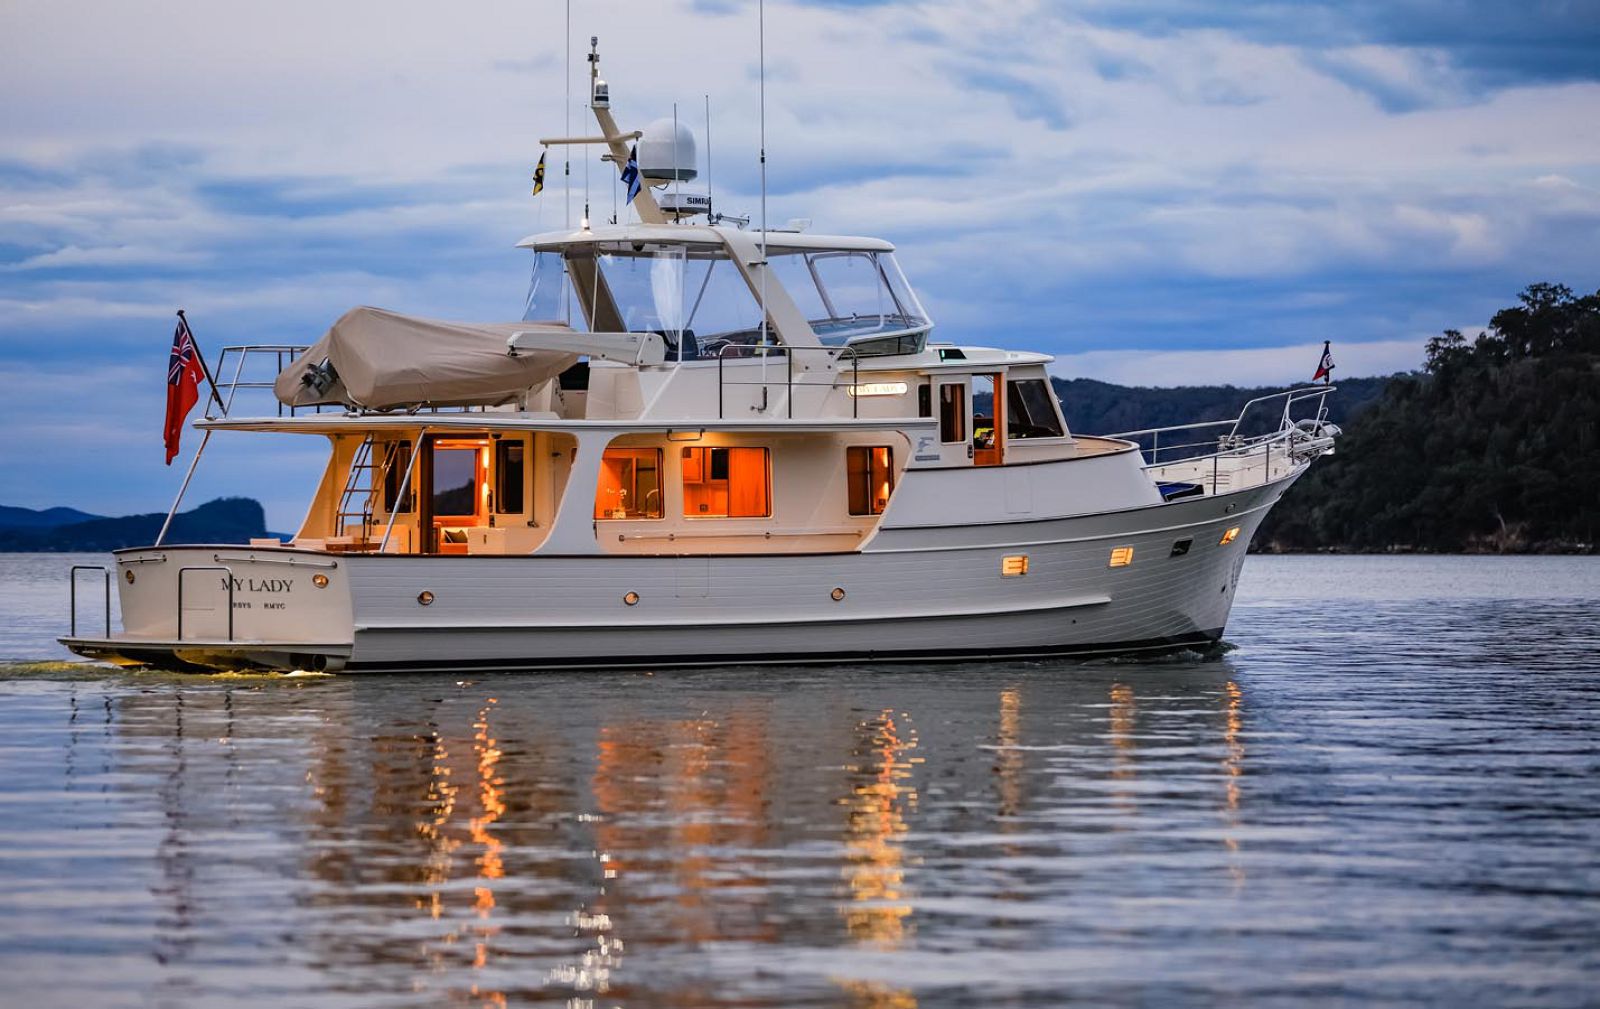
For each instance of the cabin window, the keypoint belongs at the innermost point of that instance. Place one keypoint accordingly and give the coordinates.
(630, 484)
(924, 400)
(870, 470)
(397, 498)
(457, 477)
(727, 483)
(1030, 410)
(510, 475)
(952, 413)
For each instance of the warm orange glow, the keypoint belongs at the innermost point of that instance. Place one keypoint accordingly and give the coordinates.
(869, 475)
(630, 484)
(1229, 536)
(726, 483)
(1014, 565)
(1121, 557)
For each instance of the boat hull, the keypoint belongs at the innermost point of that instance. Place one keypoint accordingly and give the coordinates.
(915, 593)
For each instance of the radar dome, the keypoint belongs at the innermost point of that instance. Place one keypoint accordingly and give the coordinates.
(666, 152)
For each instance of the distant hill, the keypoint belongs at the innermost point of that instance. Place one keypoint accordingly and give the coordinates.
(225, 520)
(49, 518)
(1093, 407)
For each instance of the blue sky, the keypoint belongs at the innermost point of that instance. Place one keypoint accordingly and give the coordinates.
(1159, 191)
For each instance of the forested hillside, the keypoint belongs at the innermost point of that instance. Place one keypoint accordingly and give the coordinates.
(1093, 407)
(1493, 447)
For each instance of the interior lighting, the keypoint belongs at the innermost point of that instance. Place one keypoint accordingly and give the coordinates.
(1014, 565)
(1229, 536)
(1121, 557)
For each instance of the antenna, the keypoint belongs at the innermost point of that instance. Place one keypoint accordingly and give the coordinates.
(711, 207)
(566, 154)
(594, 80)
(761, 43)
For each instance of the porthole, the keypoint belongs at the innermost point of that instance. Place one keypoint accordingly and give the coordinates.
(320, 580)
(425, 597)
(632, 598)
(128, 574)
(837, 594)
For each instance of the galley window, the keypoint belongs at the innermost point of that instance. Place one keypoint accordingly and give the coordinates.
(1031, 410)
(510, 475)
(870, 470)
(727, 483)
(952, 413)
(630, 484)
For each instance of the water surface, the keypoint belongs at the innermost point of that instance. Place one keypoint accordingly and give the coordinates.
(1386, 793)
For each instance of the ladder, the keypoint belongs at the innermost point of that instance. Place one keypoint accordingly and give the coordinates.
(362, 485)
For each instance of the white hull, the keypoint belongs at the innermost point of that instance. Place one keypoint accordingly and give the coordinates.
(918, 593)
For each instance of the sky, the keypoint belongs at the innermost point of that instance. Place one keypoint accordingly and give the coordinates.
(1159, 192)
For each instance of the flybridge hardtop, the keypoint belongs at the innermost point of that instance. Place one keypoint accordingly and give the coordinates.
(701, 444)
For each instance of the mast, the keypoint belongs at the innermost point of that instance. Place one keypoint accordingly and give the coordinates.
(615, 140)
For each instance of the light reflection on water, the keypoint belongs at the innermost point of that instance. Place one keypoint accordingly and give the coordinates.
(1387, 793)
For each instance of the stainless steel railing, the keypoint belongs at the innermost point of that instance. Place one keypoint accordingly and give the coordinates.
(755, 350)
(281, 355)
(1233, 439)
(72, 619)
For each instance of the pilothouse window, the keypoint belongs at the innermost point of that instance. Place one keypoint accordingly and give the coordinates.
(1030, 410)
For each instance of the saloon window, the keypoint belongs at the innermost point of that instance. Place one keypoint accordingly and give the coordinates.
(1030, 410)
(457, 476)
(510, 475)
(870, 469)
(727, 483)
(630, 484)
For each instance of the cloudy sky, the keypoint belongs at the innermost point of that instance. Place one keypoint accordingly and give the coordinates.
(1157, 191)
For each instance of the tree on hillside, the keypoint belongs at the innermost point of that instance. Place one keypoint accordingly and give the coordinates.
(1491, 447)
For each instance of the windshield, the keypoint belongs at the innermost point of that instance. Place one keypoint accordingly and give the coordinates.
(847, 295)
(698, 300)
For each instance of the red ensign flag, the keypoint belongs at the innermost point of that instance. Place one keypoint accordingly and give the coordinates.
(183, 384)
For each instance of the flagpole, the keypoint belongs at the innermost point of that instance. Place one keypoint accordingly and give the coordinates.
(162, 535)
(205, 369)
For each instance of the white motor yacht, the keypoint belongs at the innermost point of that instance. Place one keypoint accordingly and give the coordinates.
(703, 445)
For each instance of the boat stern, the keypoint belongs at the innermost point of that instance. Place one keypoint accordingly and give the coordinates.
(216, 607)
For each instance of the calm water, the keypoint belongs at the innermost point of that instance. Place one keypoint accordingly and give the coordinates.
(1388, 793)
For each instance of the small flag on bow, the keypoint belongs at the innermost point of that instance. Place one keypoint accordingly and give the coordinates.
(1325, 366)
(538, 176)
(183, 384)
(630, 173)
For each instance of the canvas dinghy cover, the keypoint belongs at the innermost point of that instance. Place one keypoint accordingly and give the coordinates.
(379, 360)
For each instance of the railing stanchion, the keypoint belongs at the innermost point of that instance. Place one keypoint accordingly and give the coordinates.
(72, 595)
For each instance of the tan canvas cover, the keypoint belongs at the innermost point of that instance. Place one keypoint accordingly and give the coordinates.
(383, 359)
